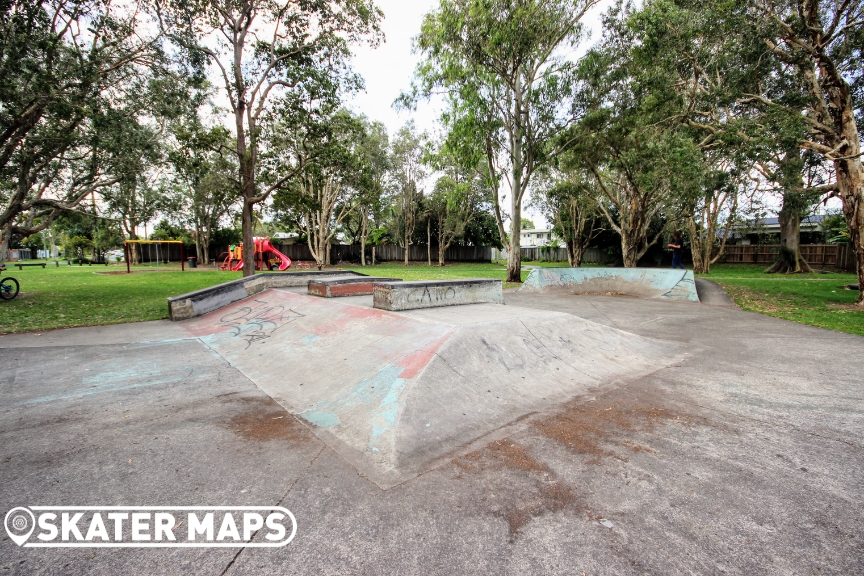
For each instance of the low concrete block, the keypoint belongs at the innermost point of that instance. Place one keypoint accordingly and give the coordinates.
(434, 293)
(643, 282)
(209, 299)
(349, 286)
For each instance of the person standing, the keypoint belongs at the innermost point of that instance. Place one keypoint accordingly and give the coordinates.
(677, 245)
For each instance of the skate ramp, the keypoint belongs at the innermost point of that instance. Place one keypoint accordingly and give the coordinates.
(396, 393)
(641, 282)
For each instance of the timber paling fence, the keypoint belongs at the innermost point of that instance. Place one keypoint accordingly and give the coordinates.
(817, 255)
(546, 254)
(390, 252)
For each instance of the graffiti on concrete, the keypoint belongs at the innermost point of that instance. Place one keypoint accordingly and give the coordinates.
(438, 294)
(258, 321)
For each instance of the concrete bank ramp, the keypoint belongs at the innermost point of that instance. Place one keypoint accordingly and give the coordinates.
(641, 282)
(396, 392)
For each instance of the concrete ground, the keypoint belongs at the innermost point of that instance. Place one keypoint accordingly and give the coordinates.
(742, 456)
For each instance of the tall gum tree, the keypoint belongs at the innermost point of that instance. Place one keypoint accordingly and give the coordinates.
(821, 41)
(646, 167)
(330, 184)
(407, 172)
(268, 49)
(67, 68)
(717, 59)
(503, 69)
(569, 199)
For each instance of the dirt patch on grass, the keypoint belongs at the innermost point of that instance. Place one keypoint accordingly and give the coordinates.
(846, 307)
(516, 486)
(764, 302)
(263, 420)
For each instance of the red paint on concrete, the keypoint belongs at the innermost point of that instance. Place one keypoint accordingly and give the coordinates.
(415, 362)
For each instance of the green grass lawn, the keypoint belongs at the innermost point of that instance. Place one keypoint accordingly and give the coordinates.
(81, 296)
(818, 299)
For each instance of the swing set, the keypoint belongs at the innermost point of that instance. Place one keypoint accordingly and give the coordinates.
(166, 254)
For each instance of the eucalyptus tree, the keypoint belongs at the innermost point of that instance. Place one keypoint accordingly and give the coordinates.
(723, 73)
(823, 41)
(266, 50)
(457, 198)
(67, 66)
(330, 181)
(812, 50)
(374, 151)
(205, 175)
(571, 201)
(508, 79)
(644, 164)
(407, 173)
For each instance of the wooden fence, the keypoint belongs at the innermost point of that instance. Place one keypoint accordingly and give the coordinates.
(591, 256)
(389, 253)
(817, 255)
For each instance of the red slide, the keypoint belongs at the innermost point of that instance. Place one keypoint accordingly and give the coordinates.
(262, 246)
(267, 246)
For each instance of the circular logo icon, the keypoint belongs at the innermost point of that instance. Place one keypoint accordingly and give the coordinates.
(20, 523)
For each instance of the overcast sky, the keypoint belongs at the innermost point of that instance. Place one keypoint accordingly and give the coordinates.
(388, 69)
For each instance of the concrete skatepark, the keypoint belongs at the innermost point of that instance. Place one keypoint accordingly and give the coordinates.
(555, 434)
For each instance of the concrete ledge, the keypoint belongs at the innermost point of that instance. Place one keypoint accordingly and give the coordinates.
(350, 286)
(643, 282)
(431, 294)
(206, 300)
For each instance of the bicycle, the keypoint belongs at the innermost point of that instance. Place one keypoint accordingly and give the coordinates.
(303, 265)
(8, 287)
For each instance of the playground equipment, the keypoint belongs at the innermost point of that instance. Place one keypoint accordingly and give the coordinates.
(234, 258)
(163, 256)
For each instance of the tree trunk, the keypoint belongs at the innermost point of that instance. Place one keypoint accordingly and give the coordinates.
(248, 241)
(789, 260)
(4, 243)
(205, 247)
(364, 231)
(53, 247)
(198, 244)
(575, 253)
(514, 257)
(373, 254)
(440, 246)
(428, 241)
(571, 257)
(406, 245)
(701, 264)
(850, 184)
(629, 251)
